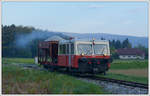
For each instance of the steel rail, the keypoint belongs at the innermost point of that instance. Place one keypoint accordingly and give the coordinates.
(123, 82)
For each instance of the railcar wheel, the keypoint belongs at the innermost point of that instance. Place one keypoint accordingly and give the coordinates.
(51, 68)
(45, 66)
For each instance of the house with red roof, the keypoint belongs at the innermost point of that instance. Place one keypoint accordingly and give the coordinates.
(130, 53)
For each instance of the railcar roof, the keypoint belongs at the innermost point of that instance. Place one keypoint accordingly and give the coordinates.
(54, 38)
(81, 40)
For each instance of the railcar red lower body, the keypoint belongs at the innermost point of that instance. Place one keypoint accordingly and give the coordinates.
(87, 64)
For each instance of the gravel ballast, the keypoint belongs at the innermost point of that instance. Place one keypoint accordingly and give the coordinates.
(115, 88)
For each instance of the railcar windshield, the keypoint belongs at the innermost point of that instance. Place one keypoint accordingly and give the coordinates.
(98, 49)
(85, 49)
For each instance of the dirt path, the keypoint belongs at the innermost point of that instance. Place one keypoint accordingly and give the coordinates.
(132, 72)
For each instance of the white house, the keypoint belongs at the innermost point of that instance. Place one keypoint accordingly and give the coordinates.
(131, 53)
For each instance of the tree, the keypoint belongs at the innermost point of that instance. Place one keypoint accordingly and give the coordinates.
(9, 34)
(143, 49)
(102, 38)
(126, 44)
(118, 44)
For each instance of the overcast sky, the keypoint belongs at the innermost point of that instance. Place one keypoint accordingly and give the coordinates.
(123, 18)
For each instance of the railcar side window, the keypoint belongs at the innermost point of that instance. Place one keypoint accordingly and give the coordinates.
(72, 48)
(67, 48)
(62, 49)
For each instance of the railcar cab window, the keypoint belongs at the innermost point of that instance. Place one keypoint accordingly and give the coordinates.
(98, 49)
(85, 49)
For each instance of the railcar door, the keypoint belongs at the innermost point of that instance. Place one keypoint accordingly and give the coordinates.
(70, 51)
(69, 55)
(55, 53)
(62, 58)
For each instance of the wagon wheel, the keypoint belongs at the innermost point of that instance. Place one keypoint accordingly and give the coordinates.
(51, 68)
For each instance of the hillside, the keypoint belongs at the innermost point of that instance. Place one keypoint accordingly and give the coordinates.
(22, 41)
(135, 41)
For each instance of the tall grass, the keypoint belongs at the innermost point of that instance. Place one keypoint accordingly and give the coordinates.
(17, 80)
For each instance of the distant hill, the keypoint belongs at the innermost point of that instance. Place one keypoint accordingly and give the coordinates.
(135, 41)
(25, 39)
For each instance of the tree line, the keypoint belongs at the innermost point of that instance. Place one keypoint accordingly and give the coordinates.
(9, 46)
(10, 34)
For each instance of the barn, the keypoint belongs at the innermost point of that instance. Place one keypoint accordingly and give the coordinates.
(130, 53)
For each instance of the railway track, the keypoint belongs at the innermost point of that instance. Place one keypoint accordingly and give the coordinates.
(92, 77)
(121, 82)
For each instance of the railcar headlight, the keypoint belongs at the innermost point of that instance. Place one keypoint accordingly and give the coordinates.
(104, 54)
(82, 54)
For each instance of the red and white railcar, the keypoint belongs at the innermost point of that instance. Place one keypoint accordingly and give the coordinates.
(75, 55)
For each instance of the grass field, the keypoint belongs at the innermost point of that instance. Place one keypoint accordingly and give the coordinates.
(129, 64)
(17, 60)
(131, 70)
(17, 80)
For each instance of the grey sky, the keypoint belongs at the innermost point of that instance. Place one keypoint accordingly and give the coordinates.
(123, 18)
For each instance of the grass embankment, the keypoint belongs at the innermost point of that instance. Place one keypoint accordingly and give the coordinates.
(18, 80)
(126, 77)
(129, 64)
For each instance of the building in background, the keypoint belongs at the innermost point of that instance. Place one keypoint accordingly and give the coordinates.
(131, 53)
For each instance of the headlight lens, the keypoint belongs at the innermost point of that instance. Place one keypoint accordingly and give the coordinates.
(82, 54)
(104, 54)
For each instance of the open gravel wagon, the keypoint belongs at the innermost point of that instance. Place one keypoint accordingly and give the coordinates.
(75, 55)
